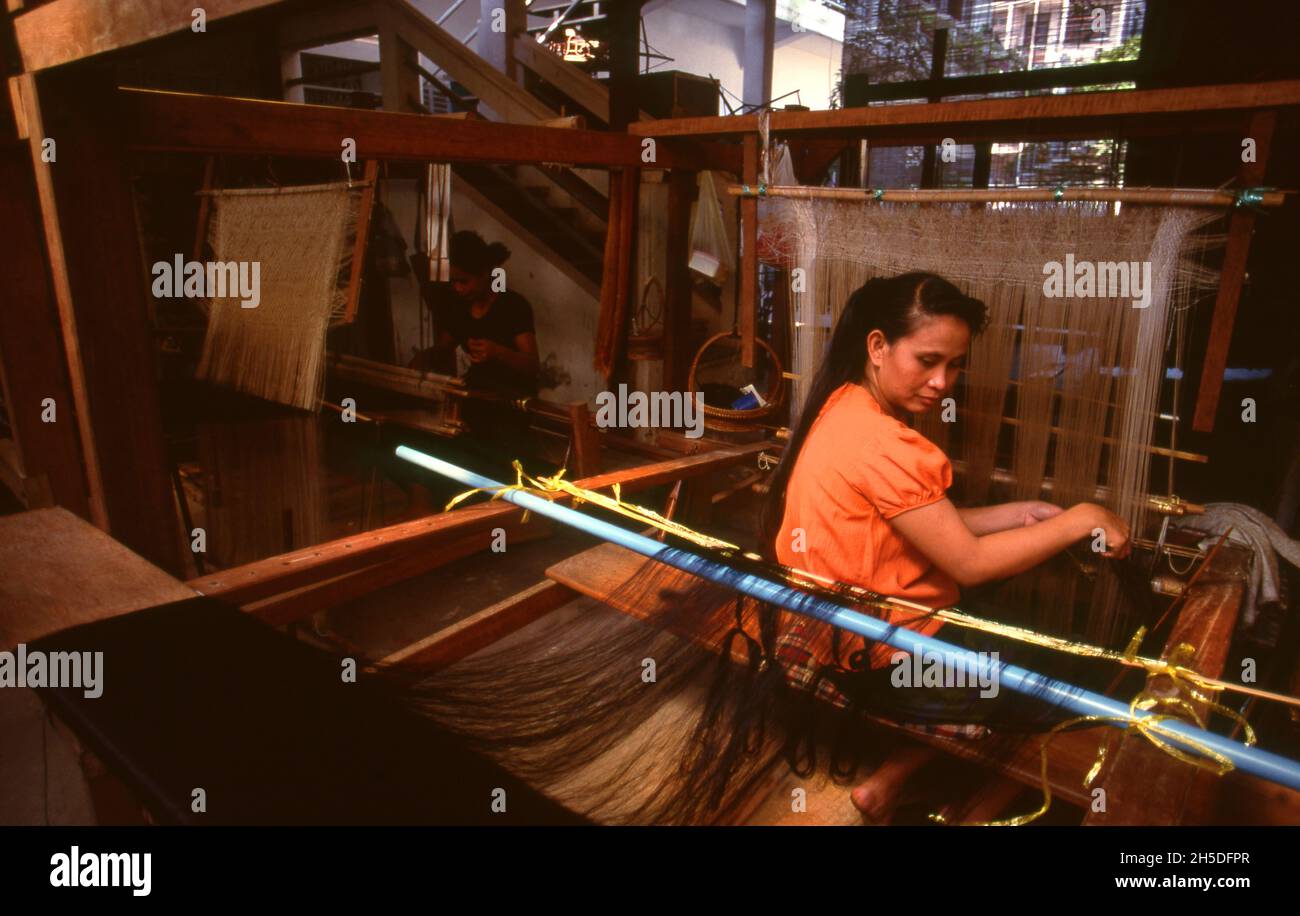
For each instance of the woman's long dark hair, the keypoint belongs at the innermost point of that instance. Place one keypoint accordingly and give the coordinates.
(895, 306)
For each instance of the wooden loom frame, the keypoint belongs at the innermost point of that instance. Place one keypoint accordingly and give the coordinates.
(1252, 108)
(283, 588)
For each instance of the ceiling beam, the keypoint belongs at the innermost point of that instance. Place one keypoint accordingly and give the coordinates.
(63, 31)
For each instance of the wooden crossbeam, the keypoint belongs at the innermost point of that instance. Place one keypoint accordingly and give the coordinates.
(480, 630)
(186, 122)
(297, 604)
(62, 31)
(275, 575)
(1044, 114)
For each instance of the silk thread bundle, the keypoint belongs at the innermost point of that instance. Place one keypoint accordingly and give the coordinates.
(1068, 372)
(262, 487)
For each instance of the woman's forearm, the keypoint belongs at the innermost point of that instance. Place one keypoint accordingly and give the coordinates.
(518, 361)
(1014, 550)
(982, 520)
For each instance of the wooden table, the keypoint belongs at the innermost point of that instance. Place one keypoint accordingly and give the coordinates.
(57, 571)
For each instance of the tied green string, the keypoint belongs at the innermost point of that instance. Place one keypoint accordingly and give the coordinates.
(1251, 197)
(877, 193)
(1058, 193)
(760, 191)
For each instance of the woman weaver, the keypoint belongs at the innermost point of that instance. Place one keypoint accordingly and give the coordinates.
(485, 334)
(861, 497)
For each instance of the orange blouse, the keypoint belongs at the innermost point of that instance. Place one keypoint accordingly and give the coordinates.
(859, 468)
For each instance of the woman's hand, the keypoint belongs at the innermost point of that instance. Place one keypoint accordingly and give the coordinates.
(481, 349)
(1114, 530)
(1036, 511)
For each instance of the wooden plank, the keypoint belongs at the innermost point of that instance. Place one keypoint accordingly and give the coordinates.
(749, 256)
(60, 571)
(1189, 101)
(328, 24)
(102, 290)
(264, 578)
(483, 628)
(185, 122)
(32, 359)
(62, 31)
(300, 603)
(1241, 227)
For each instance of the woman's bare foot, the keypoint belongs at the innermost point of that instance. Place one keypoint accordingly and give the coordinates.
(877, 797)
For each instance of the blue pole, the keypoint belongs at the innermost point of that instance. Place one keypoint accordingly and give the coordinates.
(1253, 760)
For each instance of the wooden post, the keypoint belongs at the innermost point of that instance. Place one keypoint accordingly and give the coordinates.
(682, 186)
(31, 353)
(748, 317)
(607, 310)
(624, 63)
(584, 456)
(101, 290)
(396, 66)
(760, 35)
(25, 88)
(364, 208)
(1241, 226)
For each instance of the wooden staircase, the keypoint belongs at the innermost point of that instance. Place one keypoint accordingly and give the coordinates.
(560, 209)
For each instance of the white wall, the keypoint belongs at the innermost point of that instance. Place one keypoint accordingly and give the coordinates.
(707, 37)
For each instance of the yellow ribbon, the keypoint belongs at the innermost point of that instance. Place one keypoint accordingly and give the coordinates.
(548, 487)
(1150, 727)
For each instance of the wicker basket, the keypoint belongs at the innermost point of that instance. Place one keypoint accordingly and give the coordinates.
(738, 420)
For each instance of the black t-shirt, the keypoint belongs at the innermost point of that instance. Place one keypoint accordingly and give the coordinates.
(509, 315)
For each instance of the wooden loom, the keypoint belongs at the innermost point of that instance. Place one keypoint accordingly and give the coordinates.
(287, 588)
(1147, 787)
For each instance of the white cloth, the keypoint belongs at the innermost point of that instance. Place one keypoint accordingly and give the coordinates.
(1261, 534)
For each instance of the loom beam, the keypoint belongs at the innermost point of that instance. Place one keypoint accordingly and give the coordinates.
(1255, 761)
